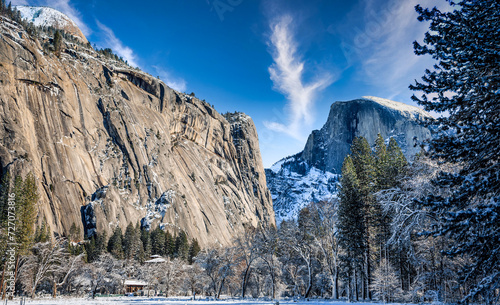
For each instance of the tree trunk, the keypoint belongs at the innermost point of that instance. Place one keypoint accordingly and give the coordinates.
(335, 285)
(54, 290)
(356, 293)
(273, 288)
(220, 289)
(245, 281)
(309, 284)
(368, 275)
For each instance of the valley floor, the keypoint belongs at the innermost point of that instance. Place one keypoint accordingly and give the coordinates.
(174, 301)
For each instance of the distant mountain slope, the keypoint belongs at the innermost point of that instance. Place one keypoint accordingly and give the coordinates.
(311, 175)
(46, 16)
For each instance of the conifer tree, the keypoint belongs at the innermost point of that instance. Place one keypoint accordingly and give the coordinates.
(397, 163)
(158, 241)
(26, 200)
(194, 249)
(115, 241)
(351, 224)
(181, 246)
(365, 167)
(74, 232)
(42, 233)
(132, 244)
(95, 246)
(146, 242)
(381, 164)
(465, 84)
(169, 244)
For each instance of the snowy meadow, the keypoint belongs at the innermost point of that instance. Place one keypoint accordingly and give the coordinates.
(175, 301)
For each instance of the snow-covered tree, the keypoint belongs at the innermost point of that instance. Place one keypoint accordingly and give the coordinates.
(247, 254)
(170, 272)
(326, 238)
(47, 260)
(385, 282)
(102, 274)
(465, 85)
(218, 264)
(192, 279)
(267, 241)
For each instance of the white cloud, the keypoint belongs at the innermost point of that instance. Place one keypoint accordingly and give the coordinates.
(63, 6)
(287, 73)
(111, 41)
(382, 44)
(178, 84)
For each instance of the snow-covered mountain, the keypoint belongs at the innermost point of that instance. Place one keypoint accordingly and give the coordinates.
(46, 16)
(312, 175)
(293, 184)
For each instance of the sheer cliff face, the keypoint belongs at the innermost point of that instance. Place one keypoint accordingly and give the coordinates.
(367, 117)
(109, 145)
(312, 174)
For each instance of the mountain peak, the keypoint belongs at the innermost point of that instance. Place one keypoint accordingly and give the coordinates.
(402, 107)
(46, 16)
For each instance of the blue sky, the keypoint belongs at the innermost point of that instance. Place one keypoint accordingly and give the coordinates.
(283, 62)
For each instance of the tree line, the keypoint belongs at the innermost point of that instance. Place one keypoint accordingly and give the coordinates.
(138, 243)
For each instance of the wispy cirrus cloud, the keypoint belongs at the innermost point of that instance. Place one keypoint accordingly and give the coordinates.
(116, 44)
(63, 6)
(287, 73)
(378, 39)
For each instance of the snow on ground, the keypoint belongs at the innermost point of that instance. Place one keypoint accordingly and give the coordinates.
(180, 301)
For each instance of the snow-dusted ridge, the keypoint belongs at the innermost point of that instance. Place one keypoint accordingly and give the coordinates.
(402, 107)
(46, 16)
(294, 184)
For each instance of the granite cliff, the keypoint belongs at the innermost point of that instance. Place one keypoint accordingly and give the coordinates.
(311, 175)
(110, 145)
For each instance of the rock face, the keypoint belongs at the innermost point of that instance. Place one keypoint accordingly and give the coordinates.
(311, 174)
(46, 16)
(111, 145)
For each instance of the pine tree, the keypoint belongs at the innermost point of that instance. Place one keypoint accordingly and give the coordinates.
(181, 246)
(158, 241)
(26, 199)
(397, 163)
(381, 164)
(364, 165)
(366, 172)
(351, 222)
(74, 233)
(465, 84)
(132, 244)
(146, 242)
(42, 233)
(115, 241)
(140, 255)
(169, 244)
(194, 249)
(90, 250)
